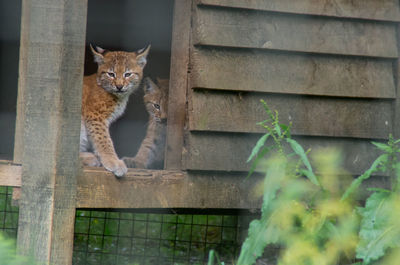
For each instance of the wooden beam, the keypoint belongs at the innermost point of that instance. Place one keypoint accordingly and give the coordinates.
(164, 189)
(215, 110)
(387, 10)
(262, 71)
(178, 83)
(98, 188)
(53, 47)
(271, 31)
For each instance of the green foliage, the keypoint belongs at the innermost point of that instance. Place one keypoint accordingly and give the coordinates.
(309, 216)
(8, 255)
(380, 227)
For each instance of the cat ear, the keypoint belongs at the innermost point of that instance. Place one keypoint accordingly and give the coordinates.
(141, 56)
(149, 86)
(98, 54)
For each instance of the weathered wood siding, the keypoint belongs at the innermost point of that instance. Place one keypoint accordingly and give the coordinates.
(327, 66)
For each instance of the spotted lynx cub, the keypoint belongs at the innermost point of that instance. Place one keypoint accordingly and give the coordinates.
(104, 99)
(151, 151)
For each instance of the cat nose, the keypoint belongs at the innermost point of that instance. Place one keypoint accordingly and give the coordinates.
(119, 87)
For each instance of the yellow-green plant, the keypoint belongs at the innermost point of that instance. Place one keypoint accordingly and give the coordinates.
(311, 216)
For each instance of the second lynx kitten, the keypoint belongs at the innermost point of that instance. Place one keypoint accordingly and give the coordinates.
(104, 99)
(151, 151)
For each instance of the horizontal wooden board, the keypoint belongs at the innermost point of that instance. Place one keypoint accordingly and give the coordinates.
(140, 188)
(98, 188)
(229, 151)
(264, 30)
(247, 70)
(162, 189)
(366, 9)
(212, 110)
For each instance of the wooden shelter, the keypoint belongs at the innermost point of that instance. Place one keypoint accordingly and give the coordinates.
(330, 67)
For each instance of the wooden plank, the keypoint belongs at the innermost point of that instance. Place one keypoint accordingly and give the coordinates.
(164, 189)
(10, 174)
(387, 10)
(178, 84)
(229, 152)
(396, 103)
(247, 70)
(262, 30)
(98, 188)
(54, 48)
(318, 116)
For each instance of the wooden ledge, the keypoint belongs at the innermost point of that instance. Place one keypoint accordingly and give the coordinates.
(98, 188)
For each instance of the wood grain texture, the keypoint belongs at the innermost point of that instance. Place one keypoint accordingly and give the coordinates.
(229, 152)
(246, 70)
(10, 174)
(318, 116)
(98, 188)
(396, 104)
(388, 10)
(141, 188)
(263, 30)
(178, 84)
(54, 48)
(163, 189)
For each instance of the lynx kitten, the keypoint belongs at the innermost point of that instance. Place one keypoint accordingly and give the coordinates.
(104, 99)
(151, 151)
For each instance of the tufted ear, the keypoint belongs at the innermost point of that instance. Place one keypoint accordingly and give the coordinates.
(98, 54)
(141, 56)
(149, 86)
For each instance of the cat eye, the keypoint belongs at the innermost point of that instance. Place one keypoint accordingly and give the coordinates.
(128, 74)
(111, 74)
(157, 106)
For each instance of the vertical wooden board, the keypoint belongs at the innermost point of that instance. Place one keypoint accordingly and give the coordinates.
(22, 68)
(396, 102)
(263, 30)
(318, 116)
(388, 10)
(246, 70)
(229, 151)
(54, 49)
(178, 83)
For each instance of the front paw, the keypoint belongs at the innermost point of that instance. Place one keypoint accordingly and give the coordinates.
(133, 163)
(89, 159)
(116, 166)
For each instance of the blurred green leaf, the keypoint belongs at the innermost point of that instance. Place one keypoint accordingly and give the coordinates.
(260, 143)
(357, 182)
(380, 229)
(298, 149)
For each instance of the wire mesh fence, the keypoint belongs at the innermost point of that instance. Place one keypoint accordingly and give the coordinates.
(153, 238)
(8, 213)
(118, 237)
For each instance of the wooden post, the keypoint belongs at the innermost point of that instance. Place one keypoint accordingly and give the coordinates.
(52, 49)
(178, 83)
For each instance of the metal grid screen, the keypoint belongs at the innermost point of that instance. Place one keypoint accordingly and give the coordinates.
(8, 213)
(144, 238)
(139, 237)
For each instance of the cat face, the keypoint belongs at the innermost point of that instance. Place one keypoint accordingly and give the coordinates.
(156, 98)
(120, 73)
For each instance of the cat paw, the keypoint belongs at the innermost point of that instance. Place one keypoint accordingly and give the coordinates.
(89, 159)
(133, 163)
(116, 166)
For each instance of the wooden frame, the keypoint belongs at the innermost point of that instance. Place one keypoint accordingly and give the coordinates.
(48, 126)
(178, 84)
(46, 164)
